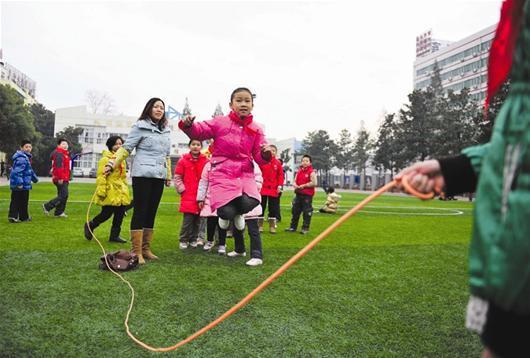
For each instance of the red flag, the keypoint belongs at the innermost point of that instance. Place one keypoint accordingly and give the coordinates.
(502, 47)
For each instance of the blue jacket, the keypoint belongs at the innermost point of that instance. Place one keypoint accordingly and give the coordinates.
(152, 150)
(22, 174)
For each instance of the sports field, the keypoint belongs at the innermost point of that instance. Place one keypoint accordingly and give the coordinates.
(392, 281)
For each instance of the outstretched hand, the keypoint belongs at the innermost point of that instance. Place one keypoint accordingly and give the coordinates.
(425, 177)
(188, 120)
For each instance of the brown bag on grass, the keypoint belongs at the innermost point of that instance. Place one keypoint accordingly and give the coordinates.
(122, 260)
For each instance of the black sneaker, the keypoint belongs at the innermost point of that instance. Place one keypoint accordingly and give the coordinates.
(117, 239)
(26, 220)
(13, 220)
(290, 229)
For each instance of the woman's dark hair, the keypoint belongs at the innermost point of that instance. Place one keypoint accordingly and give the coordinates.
(112, 141)
(308, 156)
(191, 141)
(60, 140)
(24, 142)
(146, 113)
(242, 89)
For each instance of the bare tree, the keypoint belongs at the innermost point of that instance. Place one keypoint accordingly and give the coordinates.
(99, 102)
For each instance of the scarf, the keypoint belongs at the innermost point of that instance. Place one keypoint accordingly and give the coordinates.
(245, 122)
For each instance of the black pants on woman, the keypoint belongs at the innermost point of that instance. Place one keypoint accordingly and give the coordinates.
(105, 214)
(18, 207)
(239, 206)
(147, 193)
(256, 251)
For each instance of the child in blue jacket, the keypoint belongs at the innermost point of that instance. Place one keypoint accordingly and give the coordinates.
(20, 183)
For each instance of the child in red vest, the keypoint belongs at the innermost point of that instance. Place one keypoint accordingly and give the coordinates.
(60, 177)
(304, 188)
(187, 175)
(272, 173)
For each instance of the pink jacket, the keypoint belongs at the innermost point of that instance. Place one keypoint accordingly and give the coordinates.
(257, 211)
(237, 145)
(203, 194)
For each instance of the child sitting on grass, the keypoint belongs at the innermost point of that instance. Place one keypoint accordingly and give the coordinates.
(332, 202)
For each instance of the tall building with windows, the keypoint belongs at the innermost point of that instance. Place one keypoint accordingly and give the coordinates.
(462, 64)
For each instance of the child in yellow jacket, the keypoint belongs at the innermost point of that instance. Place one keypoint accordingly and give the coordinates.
(112, 193)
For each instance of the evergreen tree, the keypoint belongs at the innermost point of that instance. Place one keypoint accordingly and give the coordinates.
(16, 122)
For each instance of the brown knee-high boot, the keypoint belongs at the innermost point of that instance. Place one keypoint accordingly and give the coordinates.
(146, 245)
(136, 240)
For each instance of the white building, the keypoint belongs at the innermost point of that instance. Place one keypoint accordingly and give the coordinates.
(98, 127)
(18, 80)
(462, 64)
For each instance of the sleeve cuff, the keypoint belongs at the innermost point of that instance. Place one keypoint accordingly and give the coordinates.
(458, 174)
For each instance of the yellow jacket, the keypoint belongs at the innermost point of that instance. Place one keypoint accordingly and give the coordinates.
(111, 190)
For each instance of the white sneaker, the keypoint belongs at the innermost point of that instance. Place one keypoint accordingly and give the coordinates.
(254, 262)
(193, 244)
(221, 250)
(224, 224)
(200, 242)
(239, 222)
(236, 254)
(63, 215)
(208, 246)
(183, 245)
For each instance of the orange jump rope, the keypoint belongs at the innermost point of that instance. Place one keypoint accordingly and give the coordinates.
(270, 279)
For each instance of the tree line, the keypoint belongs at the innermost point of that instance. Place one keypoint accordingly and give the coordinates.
(434, 123)
(36, 123)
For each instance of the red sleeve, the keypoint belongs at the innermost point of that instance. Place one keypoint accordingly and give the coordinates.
(281, 177)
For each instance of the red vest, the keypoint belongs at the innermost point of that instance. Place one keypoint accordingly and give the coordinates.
(303, 176)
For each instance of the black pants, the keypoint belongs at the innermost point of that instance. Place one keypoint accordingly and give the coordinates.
(212, 224)
(18, 207)
(59, 202)
(190, 228)
(256, 251)
(240, 205)
(274, 206)
(105, 214)
(302, 204)
(147, 193)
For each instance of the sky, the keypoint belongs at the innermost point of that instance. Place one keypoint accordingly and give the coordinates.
(313, 65)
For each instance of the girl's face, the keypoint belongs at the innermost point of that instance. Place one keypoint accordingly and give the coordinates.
(306, 162)
(242, 103)
(157, 112)
(64, 145)
(195, 147)
(273, 151)
(117, 145)
(27, 147)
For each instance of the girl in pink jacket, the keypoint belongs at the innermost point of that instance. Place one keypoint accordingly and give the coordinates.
(238, 143)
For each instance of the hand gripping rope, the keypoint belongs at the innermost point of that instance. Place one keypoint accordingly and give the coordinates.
(267, 281)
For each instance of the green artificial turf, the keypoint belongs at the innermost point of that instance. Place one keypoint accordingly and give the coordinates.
(392, 281)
